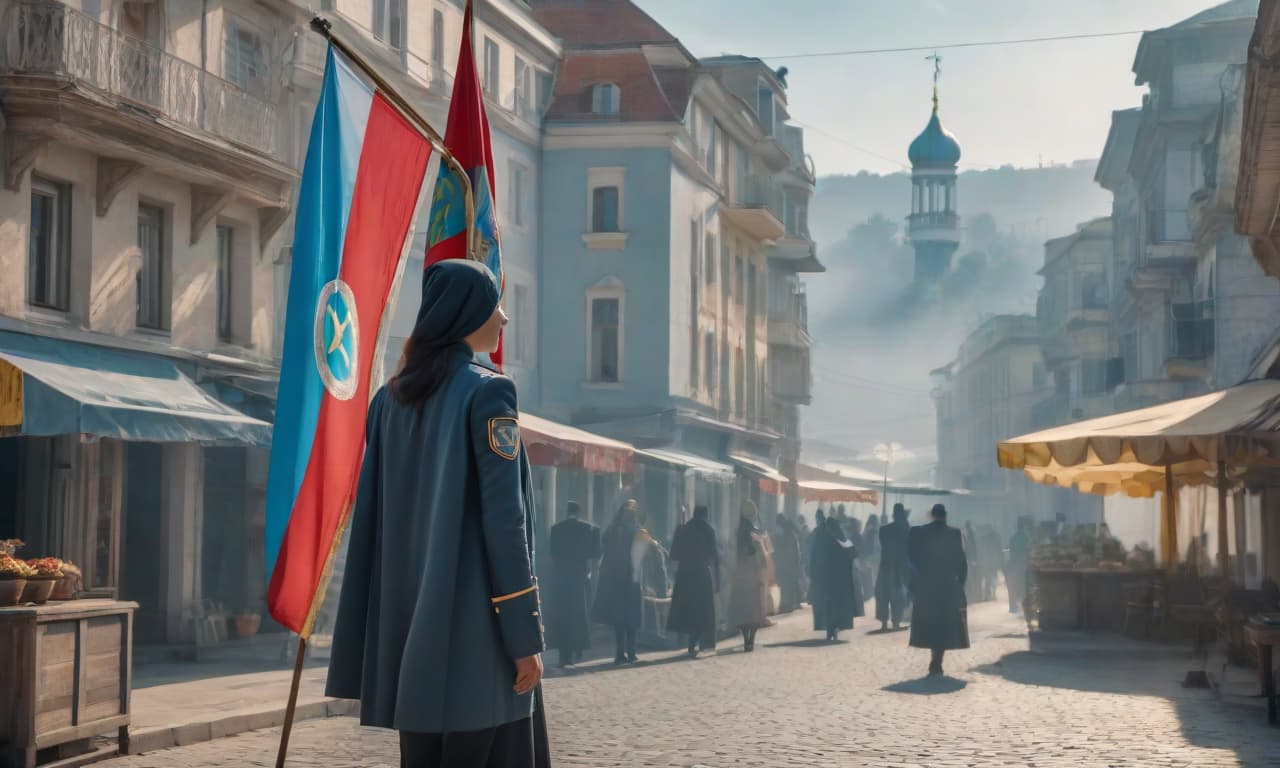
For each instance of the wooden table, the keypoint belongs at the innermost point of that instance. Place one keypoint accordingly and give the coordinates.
(1266, 636)
(66, 671)
(1083, 597)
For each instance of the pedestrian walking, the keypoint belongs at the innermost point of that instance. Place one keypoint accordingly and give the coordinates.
(693, 600)
(438, 631)
(972, 551)
(749, 601)
(939, 618)
(618, 593)
(870, 552)
(836, 604)
(1015, 571)
(575, 549)
(893, 576)
(787, 561)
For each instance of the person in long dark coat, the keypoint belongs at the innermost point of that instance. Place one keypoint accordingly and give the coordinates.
(618, 593)
(575, 547)
(787, 561)
(939, 620)
(815, 586)
(891, 582)
(832, 574)
(438, 631)
(693, 599)
(1015, 570)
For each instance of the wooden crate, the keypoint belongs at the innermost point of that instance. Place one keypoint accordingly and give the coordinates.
(66, 670)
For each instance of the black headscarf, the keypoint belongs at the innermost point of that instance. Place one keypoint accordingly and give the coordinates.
(458, 298)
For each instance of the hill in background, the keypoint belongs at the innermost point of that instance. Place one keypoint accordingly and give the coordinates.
(875, 342)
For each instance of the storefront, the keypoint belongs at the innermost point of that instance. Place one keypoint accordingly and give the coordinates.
(105, 460)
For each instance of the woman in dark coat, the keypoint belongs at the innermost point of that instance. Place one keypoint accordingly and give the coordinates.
(939, 619)
(438, 632)
(618, 592)
(693, 600)
(833, 579)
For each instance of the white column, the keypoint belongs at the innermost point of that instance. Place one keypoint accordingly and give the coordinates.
(182, 513)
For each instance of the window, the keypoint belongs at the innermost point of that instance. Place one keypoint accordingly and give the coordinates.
(492, 68)
(739, 381)
(153, 275)
(695, 239)
(606, 353)
(709, 349)
(604, 209)
(49, 245)
(517, 333)
(524, 88)
(437, 38)
(606, 99)
(516, 196)
(764, 107)
(709, 257)
(544, 91)
(388, 22)
(710, 160)
(243, 60)
(224, 281)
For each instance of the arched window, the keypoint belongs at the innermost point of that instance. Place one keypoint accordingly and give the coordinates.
(606, 99)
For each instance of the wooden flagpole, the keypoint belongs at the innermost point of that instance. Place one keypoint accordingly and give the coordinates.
(400, 104)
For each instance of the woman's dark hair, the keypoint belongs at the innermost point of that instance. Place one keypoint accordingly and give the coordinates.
(458, 298)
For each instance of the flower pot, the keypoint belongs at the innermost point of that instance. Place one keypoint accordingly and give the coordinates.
(38, 590)
(247, 625)
(11, 591)
(66, 588)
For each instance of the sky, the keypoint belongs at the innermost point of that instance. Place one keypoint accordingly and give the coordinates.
(1020, 105)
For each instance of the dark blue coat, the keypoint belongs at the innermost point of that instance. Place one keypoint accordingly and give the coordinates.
(438, 597)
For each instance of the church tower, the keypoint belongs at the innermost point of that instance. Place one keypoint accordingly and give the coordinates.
(933, 226)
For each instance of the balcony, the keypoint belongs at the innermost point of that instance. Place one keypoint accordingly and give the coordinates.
(789, 320)
(756, 207)
(934, 225)
(69, 78)
(789, 375)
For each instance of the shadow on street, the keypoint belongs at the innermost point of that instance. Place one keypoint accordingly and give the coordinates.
(928, 686)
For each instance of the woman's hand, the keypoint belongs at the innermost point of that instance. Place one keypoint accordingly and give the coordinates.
(528, 673)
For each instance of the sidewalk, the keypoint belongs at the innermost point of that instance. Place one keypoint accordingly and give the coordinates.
(171, 706)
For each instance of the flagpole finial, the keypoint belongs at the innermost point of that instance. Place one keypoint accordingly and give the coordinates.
(937, 72)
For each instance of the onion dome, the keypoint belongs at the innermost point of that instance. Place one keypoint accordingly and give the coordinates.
(935, 146)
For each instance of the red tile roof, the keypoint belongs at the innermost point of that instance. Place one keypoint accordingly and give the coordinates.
(642, 98)
(582, 23)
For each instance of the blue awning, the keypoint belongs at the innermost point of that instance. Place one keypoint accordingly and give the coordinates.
(71, 388)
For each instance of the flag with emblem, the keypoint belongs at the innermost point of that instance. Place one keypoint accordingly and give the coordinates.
(361, 181)
(466, 135)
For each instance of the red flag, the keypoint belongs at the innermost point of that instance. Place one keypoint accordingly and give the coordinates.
(467, 137)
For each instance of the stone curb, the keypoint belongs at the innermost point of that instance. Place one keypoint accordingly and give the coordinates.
(246, 720)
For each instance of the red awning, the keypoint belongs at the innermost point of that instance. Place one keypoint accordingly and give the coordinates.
(558, 445)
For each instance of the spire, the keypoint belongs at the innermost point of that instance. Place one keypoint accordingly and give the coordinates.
(937, 71)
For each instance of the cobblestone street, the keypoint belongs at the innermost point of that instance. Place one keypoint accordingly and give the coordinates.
(799, 702)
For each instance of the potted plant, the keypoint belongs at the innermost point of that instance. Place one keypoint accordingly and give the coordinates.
(68, 587)
(13, 579)
(46, 571)
(248, 620)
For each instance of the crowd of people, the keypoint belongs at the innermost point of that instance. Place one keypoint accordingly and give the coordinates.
(923, 576)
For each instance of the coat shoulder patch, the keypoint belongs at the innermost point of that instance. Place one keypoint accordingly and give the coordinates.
(504, 437)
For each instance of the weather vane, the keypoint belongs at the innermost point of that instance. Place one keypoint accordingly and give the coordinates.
(937, 71)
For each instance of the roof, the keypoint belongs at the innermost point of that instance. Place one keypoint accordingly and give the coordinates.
(935, 146)
(581, 23)
(1145, 58)
(645, 93)
(1114, 163)
(1228, 11)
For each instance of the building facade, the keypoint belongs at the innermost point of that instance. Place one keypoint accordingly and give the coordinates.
(985, 395)
(672, 179)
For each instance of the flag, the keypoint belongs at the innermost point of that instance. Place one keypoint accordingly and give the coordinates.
(466, 136)
(363, 175)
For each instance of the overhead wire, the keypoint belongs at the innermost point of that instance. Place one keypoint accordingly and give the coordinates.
(945, 46)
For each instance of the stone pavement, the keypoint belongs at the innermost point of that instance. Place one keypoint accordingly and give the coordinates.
(799, 702)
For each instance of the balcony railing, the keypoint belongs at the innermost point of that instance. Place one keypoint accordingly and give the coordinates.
(50, 39)
(934, 220)
(758, 192)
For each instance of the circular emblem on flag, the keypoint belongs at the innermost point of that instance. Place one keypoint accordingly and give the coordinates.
(337, 339)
